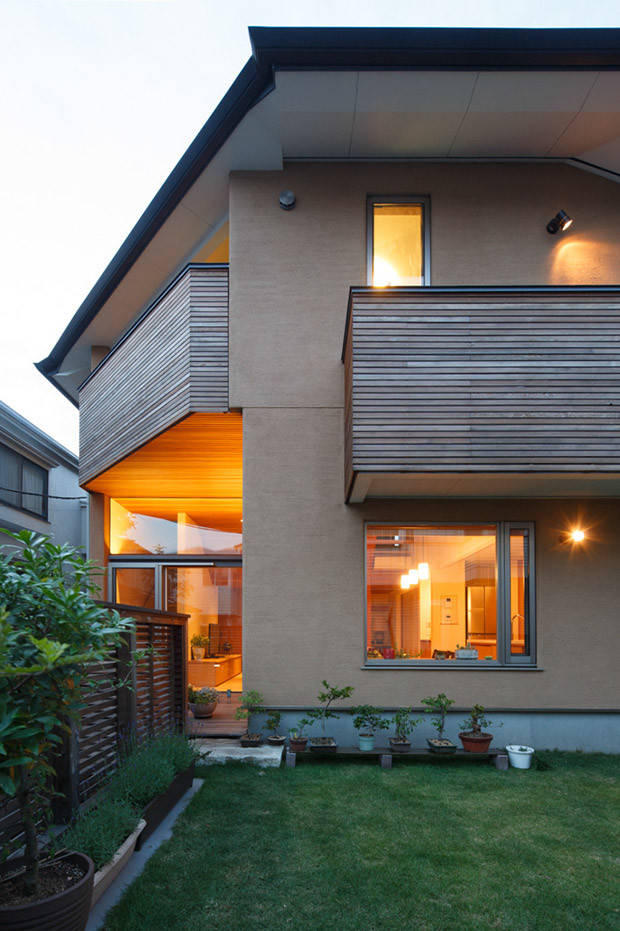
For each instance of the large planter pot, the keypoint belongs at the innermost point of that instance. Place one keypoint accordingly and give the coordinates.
(476, 743)
(65, 911)
(109, 871)
(520, 757)
(366, 742)
(156, 811)
(202, 710)
(399, 746)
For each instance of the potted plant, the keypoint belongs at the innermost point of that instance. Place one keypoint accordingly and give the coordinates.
(272, 723)
(296, 741)
(51, 632)
(472, 738)
(367, 720)
(466, 652)
(520, 757)
(202, 702)
(199, 643)
(439, 705)
(331, 693)
(251, 702)
(404, 722)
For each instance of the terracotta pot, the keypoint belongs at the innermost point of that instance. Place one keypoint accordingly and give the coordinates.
(202, 710)
(65, 911)
(476, 743)
(299, 745)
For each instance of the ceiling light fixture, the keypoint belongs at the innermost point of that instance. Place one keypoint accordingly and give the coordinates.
(423, 570)
(561, 221)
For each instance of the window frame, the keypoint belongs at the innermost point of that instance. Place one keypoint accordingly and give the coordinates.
(422, 200)
(23, 460)
(505, 659)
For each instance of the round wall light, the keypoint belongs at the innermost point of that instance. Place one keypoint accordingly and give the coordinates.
(287, 200)
(561, 221)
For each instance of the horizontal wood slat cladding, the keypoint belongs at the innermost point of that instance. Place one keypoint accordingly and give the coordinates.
(173, 363)
(482, 382)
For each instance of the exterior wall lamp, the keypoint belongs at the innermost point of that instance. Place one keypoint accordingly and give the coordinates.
(573, 536)
(287, 200)
(561, 221)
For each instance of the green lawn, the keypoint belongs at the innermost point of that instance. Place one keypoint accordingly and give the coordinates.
(441, 845)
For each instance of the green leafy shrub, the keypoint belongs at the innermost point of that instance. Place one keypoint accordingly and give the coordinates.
(148, 770)
(202, 696)
(368, 719)
(100, 831)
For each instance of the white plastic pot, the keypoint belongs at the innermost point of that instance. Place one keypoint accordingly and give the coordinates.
(520, 756)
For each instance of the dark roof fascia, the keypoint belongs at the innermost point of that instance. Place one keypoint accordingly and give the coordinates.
(370, 48)
(345, 48)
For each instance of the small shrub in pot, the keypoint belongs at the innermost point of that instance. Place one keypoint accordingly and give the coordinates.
(404, 722)
(203, 701)
(367, 721)
(439, 706)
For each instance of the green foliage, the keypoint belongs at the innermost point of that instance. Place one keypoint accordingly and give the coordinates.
(404, 722)
(439, 705)
(251, 702)
(476, 721)
(149, 768)
(368, 719)
(298, 732)
(51, 631)
(273, 721)
(200, 640)
(100, 831)
(326, 696)
(202, 696)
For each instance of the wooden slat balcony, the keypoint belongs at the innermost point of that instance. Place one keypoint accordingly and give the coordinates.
(482, 392)
(173, 362)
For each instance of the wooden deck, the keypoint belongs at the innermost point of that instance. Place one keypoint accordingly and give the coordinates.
(222, 724)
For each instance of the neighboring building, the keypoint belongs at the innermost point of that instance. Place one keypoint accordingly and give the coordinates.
(39, 486)
(418, 492)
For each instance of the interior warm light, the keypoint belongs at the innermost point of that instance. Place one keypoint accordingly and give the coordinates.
(423, 570)
(577, 536)
(405, 582)
(561, 221)
(383, 274)
(413, 577)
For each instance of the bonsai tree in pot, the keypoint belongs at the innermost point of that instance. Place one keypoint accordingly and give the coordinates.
(367, 721)
(199, 643)
(329, 694)
(272, 724)
(439, 705)
(202, 702)
(404, 722)
(297, 741)
(251, 702)
(471, 735)
(51, 632)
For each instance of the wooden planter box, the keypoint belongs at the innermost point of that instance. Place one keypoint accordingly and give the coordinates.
(109, 871)
(156, 811)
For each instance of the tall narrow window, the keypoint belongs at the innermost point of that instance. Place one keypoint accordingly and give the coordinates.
(398, 241)
(23, 484)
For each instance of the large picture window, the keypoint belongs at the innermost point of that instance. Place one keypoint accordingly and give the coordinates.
(398, 242)
(450, 593)
(23, 484)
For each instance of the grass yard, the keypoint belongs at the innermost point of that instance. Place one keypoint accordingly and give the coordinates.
(441, 845)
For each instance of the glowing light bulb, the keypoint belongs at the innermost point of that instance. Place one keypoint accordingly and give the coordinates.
(383, 274)
(423, 570)
(413, 577)
(404, 582)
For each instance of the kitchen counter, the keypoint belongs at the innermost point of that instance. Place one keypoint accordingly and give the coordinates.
(213, 670)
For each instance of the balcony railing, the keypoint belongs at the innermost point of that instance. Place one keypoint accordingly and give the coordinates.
(443, 386)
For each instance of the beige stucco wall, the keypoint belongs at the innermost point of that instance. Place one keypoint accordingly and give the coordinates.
(303, 547)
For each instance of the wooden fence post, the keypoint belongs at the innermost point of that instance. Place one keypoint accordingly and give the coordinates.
(126, 719)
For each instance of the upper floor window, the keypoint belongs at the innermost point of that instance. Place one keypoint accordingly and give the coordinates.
(398, 241)
(450, 592)
(23, 484)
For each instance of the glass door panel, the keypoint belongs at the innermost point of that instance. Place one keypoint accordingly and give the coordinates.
(211, 595)
(136, 585)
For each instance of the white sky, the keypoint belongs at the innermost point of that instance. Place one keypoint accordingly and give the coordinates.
(100, 98)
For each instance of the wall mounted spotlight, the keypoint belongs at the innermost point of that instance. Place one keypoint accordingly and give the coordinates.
(561, 221)
(287, 200)
(573, 536)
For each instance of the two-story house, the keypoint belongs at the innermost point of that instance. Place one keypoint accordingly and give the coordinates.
(349, 392)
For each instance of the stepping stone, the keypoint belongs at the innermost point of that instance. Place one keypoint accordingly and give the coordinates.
(213, 751)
